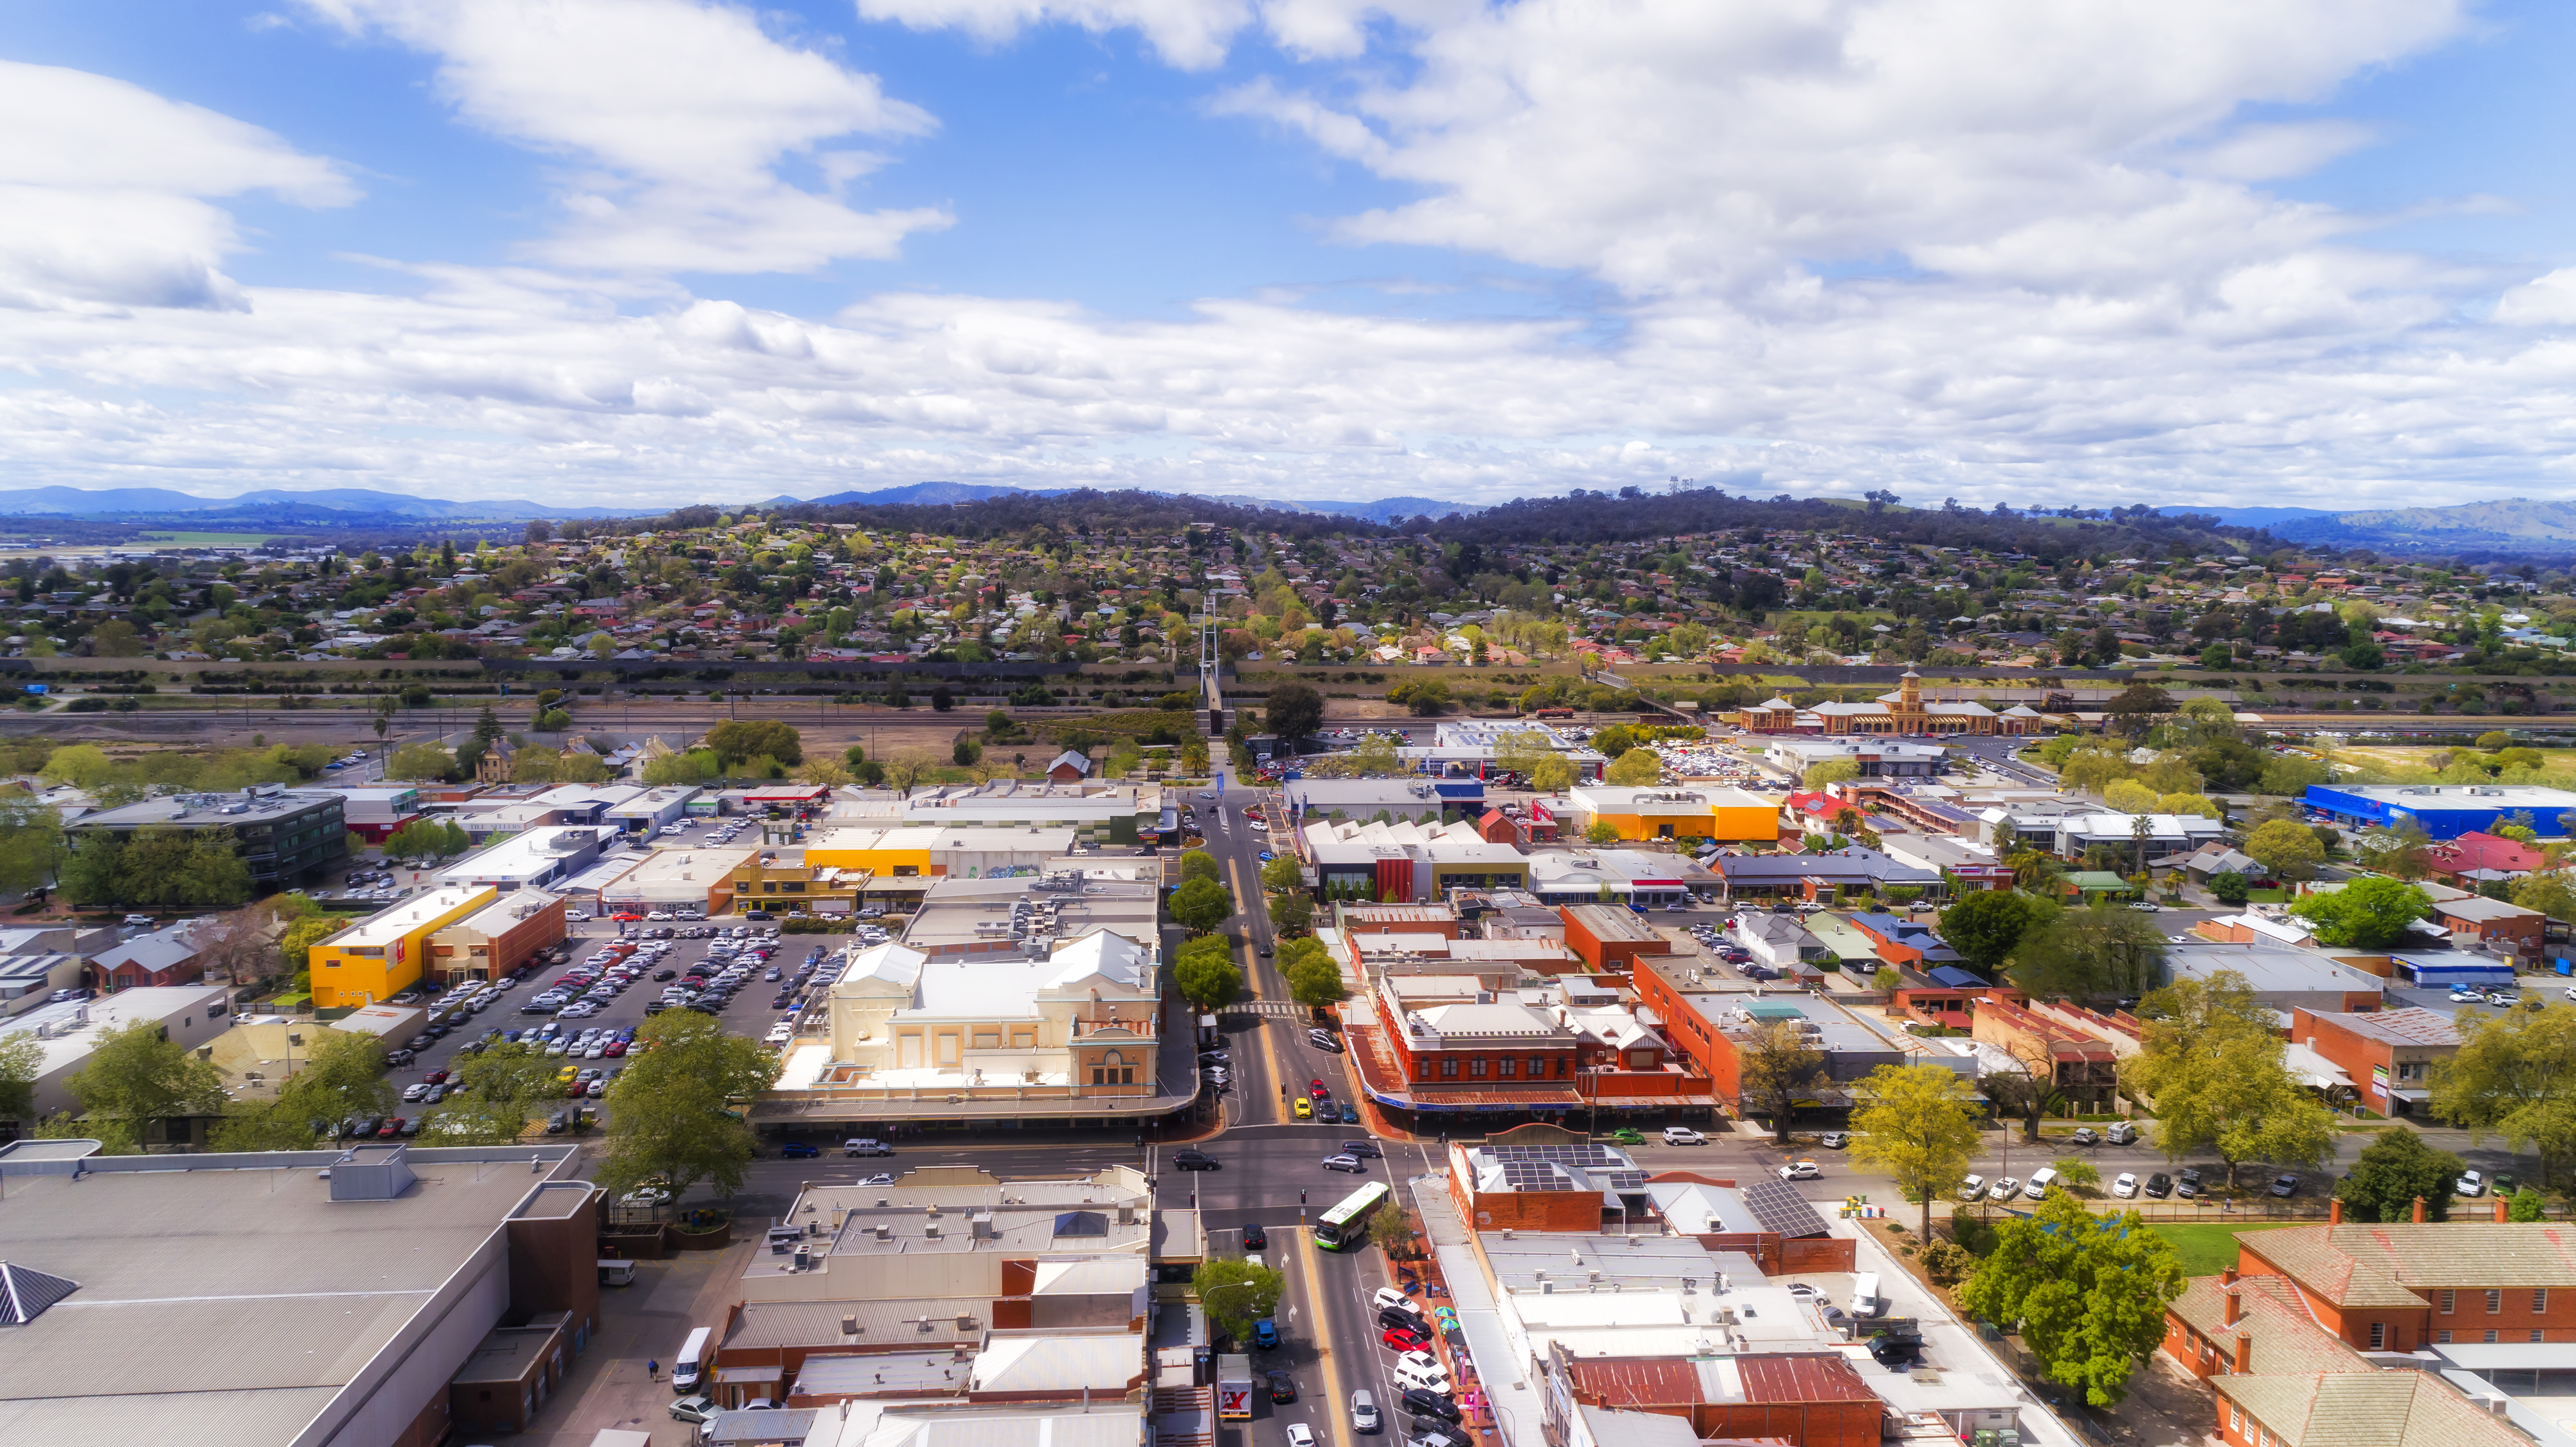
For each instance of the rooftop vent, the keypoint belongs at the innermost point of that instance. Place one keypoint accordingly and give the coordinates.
(25, 1292)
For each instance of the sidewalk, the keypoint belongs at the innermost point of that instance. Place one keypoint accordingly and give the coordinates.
(1501, 1364)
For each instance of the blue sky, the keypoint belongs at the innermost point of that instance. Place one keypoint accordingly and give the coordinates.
(2310, 251)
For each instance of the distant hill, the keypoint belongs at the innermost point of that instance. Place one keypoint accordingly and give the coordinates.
(328, 505)
(2252, 517)
(1383, 510)
(2514, 527)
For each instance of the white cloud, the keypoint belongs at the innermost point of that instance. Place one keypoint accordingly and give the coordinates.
(2001, 250)
(682, 113)
(106, 185)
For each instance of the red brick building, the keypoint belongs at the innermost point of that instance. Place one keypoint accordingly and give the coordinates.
(2394, 1287)
(2504, 928)
(498, 938)
(1609, 937)
(2389, 1054)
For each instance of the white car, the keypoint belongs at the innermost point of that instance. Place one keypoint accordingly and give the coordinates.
(2125, 1185)
(1800, 1171)
(1301, 1435)
(2004, 1190)
(1388, 1297)
(1682, 1135)
(1973, 1188)
(780, 1034)
(2470, 1183)
(1433, 1378)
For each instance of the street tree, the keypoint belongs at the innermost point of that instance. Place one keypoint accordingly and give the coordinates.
(676, 1114)
(1283, 873)
(422, 762)
(2075, 1171)
(2515, 1077)
(2027, 1087)
(2211, 1062)
(1775, 1067)
(2392, 1172)
(2549, 894)
(135, 1077)
(2369, 913)
(2087, 1291)
(2105, 951)
(1201, 905)
(2285, 847)
(1205, 973)
(295, 947)
(497, 1094)
(1920, 1127)
(1985, 926)
(1237, 1293)
(1551, 774)
(1292, 913)
(238, 946)
(31, 843)
(1199, 864)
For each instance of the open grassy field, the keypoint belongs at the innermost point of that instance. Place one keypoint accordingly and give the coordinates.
(2417, 756)
(2206, 1247)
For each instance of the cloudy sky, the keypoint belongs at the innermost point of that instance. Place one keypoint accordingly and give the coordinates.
(2244, 252)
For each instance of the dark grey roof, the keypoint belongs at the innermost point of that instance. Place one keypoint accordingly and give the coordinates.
(1780, 1208)
(1081, 1223)
(26, 1292)
(1854, 863)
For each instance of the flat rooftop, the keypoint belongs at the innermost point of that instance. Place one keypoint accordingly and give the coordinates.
(225, 1301)
(387, 925)
(211, 811)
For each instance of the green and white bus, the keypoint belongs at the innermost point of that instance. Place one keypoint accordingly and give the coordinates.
(1345, 1227)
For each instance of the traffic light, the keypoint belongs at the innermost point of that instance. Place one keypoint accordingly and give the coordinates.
(1301, 1198)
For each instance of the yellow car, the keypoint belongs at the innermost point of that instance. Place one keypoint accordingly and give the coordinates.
(1305, 1108)
(565, 1075)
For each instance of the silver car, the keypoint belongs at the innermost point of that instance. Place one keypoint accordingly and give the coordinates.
(1364, 1417)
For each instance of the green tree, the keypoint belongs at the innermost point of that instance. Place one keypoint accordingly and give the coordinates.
(2514, 1076)
(2285, 847)
(675, 1114)
(2088, 1292)
(421, 761)
(2229, 888)
(695, 766)
(31, 843)
(1775, 1066)
(498, 1093)
(739, 740)
(1201, 905)
(2216, 656)
(1601, 834)
(116, 638)
(1293, 711)
(1292, 913)
(295, 947)
(965, 753)
(1831, 771)
(1283, 873)
(1986, 925)
(2549, 894)
(2392, 1172)
(1205, 973)
(1551, 774)
(21, 1061)
(2074, 1171)
(134, 1077)
(1639, 768)
(1314, 980)
(2210, 1060)
(2370, 913)
(1919, 1126)
(1199, 864)
(1237, 1293)
(2526, 1205)
(2103, 951)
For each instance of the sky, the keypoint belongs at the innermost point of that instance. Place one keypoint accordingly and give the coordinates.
(643, 252)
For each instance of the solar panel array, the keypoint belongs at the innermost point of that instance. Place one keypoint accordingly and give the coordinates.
(1780, 1208)
(1543, 1168)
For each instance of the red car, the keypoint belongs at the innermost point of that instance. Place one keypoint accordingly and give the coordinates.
(1315, 1089)
(392, 1127)
(435, 1077)
(1402, 1340)
(615, 1049)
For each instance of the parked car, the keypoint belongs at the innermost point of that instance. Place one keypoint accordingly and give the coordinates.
(1973, 1188)
(2187, 1185)
(2125, 1185)
(2160, 1185)
(2084, 1136)
(2285, 1186)
(799, 1151)
(1403, 1338)
(2469, 1184)
(2004, 1189)
(1682, 1135)
(1423, 1402)
(1834, 1140)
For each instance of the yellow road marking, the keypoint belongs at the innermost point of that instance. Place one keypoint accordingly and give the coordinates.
(1307, 1259)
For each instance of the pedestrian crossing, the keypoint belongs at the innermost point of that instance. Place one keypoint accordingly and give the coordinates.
(1283, 1009)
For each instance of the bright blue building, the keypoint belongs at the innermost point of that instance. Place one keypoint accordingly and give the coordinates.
(2442, 811)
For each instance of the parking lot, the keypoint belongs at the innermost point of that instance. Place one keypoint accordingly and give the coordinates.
(560, 1001)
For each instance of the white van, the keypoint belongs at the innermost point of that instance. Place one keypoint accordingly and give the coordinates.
(2121, 1133)
(690, 1364)
(1865, 1300)
(2040, 1180)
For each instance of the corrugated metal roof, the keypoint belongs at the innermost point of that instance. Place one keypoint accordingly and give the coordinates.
(1636, 1381)
(1803, 1377)
(818, 1323)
